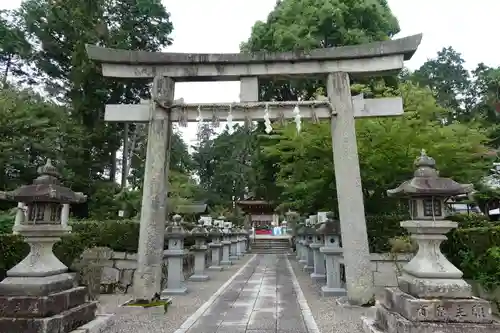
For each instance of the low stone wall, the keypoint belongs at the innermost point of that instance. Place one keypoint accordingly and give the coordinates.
(118, 271)
(386, 268)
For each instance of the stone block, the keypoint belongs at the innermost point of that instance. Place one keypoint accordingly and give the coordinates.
(125, 264)
(384, 279)
(66, 321)
(471, 310)
(36, 286)
(110, 275)
(391, 322)
(118, 255)
(387, 267)
(41, 306)
(435, 288)
(131, 256)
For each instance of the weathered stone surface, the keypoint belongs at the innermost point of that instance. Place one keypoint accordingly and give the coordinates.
(59, 323)
(472, 310)
(391, 322)
(110, 275)
(44, 306)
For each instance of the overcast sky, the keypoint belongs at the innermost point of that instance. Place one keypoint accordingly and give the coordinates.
(221, 25)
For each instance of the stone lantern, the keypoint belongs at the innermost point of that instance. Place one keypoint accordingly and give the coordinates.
(31, 294)
(233, 249)
(226, 242)
(429, 271)
(300, 241)
(175, 235)
(241, 241)
(432, 296)
(215, 246)
(319, 272)
(200, 234)
(309, 233)
(333, 253)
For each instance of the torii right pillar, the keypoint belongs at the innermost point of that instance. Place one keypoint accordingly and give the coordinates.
(349, 190)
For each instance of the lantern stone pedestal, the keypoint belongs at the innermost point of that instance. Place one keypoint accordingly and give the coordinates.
(200, 249)
(319, 273)
(175, 235)
(309, 253)
(233, 252)
(432, 296)
(226, 245)
(39, 295)
(216, 248)
(332, 252)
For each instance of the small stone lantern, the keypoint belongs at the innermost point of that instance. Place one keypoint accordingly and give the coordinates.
(199, 234)
(319, 272)
(309, 233)
(432, 296)
(41, 229)
(241, 241)
(175, 235)
(216, 247)
(233, 252)
(333, 253)
(226, 242)
(300, 241)
(429, 273)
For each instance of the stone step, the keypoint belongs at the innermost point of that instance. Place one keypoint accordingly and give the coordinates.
(65, 321)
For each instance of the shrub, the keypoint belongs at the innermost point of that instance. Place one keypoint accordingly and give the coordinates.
(476, 252)
(381, 229)
(120, 236)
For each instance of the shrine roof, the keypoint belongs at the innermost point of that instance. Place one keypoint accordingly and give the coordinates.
(405, 46)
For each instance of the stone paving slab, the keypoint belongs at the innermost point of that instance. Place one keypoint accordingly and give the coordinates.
(263, 298)
(329, 316)
(154, 320)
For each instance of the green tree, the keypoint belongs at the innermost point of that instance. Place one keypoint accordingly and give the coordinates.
(32, 130)
(59, 31)
(387, 149)
(448, 79)
(307, 24)
(224, 164)
(13, 48)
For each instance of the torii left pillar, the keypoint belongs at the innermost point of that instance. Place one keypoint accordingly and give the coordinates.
(147, 278)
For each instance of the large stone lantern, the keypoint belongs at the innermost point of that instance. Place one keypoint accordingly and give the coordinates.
(429, 273)
(39, 294)
(40, 272)
(432, 296)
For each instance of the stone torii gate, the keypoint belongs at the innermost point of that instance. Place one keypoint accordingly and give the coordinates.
(335, 63)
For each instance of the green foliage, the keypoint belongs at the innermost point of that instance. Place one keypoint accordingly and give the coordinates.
(387, 149)
(7, 221)
(476, 251)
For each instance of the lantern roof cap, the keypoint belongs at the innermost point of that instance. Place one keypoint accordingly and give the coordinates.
(427, 182)
(46, 187)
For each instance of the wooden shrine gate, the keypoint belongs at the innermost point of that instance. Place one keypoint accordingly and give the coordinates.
(335, 63)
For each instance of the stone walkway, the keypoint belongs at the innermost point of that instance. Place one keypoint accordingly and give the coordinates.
(263, 297)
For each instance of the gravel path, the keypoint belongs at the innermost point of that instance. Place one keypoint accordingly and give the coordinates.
(330, 317)
(154, 320)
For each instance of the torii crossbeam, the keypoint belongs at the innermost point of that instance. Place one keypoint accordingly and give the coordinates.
(335, 63)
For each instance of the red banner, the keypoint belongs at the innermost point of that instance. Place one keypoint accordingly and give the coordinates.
(263, 232)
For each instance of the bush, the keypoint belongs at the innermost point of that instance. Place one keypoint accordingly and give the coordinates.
(381, 229)
(120, 236)
(6, 221)
(476, 251)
